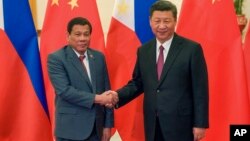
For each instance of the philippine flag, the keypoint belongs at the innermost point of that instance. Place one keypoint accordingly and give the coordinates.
(129, 29)
(24, 112)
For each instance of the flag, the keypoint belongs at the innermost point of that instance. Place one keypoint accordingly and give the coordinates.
(213, 24)
(129, 28)
(53, 34)
(247, 56)
(24, 113)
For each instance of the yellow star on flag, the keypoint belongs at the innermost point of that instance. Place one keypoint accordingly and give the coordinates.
(55, 2)
(213, 1)
(122, 7)
(73, 4)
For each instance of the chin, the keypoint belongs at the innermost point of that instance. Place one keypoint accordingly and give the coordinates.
(81, 50)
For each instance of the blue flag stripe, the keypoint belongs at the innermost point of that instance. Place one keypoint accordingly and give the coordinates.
(19, 27)
(142, 27)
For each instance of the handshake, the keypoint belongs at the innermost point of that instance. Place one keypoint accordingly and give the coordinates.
(108, 99)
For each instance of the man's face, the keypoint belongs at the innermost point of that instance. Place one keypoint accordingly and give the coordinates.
(163, 25)
(79, 38)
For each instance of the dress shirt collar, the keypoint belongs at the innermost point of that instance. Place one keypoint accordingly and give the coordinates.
(78, 55)
(165, 45)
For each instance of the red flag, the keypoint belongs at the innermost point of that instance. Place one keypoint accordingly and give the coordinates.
(23, 108)
(129, 28)
(247, 56)
(22, 117)
(53, 35)
(213, 24)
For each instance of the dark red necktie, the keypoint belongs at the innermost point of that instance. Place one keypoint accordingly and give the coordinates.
(160, 62)
(81, 58)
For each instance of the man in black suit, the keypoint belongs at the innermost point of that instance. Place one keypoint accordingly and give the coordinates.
(79, 85)
(174, 81)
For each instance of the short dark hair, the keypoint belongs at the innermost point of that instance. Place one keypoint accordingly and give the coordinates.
(78, 21)
(163, 5)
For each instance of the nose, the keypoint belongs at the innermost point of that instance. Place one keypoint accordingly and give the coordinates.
(162, 25)
(82, 37)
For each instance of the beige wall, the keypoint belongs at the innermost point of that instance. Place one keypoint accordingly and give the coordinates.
(246, 10)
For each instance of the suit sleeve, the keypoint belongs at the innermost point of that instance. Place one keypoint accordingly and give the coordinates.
(200, 88)
(60, 81)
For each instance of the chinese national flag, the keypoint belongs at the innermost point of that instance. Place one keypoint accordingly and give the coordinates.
(129, 29)
(247, 57)
(53, 35)
(213, 24)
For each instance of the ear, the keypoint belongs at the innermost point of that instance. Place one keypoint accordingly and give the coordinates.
(150, 22)
(67, 36)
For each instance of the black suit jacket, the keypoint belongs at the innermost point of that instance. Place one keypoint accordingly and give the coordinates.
(179, 98)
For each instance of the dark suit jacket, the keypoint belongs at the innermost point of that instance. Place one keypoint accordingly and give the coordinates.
(180, 97)
(76, 113)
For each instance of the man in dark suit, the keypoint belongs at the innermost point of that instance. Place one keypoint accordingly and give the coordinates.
(171, 72)
(79, 85)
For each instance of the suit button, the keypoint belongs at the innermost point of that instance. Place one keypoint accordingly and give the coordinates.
(158, 91)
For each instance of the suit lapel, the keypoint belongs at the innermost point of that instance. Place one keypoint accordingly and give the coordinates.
(78, 65)
(151, 55)
(174, 50)
(92, 69)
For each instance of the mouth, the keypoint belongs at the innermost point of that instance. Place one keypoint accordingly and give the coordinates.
(83, 45)
(162, 32)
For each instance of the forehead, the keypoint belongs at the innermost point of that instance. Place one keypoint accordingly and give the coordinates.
(162, 14)
(79, 27)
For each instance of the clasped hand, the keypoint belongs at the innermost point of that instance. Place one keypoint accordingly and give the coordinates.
(109, 98)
